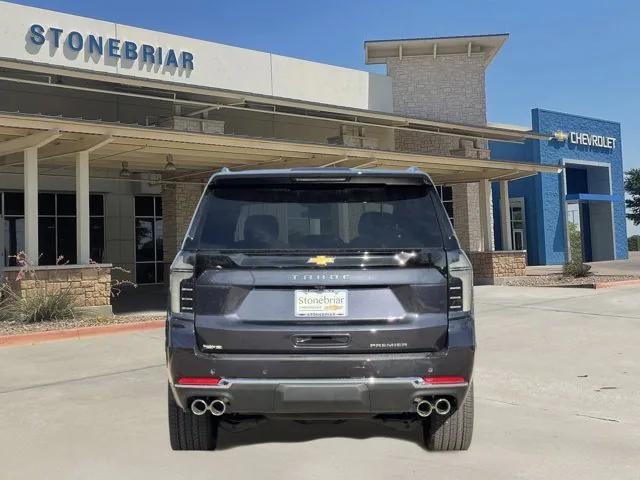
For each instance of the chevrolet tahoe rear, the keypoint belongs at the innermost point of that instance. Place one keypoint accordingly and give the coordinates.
(318, 294)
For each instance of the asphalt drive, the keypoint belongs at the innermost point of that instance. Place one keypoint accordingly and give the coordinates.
(557, 396)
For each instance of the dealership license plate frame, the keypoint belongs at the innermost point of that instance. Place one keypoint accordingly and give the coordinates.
(325, 311)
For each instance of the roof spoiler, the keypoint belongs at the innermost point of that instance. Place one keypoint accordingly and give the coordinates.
(409, 176)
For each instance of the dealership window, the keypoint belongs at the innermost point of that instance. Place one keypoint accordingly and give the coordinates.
(56, 227)
(446, 195)
(149, 238)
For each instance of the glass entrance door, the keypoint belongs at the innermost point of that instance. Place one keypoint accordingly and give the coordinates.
(518, 224)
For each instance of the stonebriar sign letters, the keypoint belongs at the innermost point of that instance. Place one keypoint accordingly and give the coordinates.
(113, 48)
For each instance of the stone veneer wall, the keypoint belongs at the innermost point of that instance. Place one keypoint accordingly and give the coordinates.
(178, 204)
(490, 267)
(89, 284)
(466, 208)
(449, 88)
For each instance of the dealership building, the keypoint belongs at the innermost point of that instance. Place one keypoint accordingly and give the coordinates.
(108, 134)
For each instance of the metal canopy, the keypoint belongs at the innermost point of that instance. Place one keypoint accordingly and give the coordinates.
(146, 150)
(196, 100)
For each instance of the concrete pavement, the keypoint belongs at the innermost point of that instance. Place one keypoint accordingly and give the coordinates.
(557, 395)
(630, 266)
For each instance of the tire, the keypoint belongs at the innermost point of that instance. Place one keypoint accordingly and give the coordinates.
(453, 431)
(191, 432)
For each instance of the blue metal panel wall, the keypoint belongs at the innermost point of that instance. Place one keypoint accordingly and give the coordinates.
(544, 210)
(553, 153)
(525, 188)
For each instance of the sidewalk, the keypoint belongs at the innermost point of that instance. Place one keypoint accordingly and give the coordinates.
(631, 266)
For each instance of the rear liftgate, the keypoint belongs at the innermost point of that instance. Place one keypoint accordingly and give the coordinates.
(300, 310)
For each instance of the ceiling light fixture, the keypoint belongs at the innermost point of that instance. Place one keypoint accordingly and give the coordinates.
(125, 172)
(170, 166)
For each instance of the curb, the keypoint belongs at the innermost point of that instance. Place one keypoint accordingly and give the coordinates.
(596, 286)
(77, 333)
(619, 283)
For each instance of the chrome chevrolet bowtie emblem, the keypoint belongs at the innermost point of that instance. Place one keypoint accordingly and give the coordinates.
(321, 260)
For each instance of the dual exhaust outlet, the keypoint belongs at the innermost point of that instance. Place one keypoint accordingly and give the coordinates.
(424, 408)
(217, 407)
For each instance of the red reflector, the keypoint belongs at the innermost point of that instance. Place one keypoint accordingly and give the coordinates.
(442, 380)
(198, 381)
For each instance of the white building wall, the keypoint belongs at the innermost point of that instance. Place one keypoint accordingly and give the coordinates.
(215, 65)
(317, 82)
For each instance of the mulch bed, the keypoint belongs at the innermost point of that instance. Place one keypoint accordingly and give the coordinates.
(16, 328)
(556, 280)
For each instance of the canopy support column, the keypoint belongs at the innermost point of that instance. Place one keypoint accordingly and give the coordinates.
(486, 216)
(31, 248)
(505, 215)
(82, 208)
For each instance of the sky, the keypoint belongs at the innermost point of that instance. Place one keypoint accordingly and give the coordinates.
(577, 56)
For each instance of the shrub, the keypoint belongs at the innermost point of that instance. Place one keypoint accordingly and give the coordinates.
(576, 269)
(41, 306)
(37, 306)
(634, 243)
(7, 298)
(575, 242)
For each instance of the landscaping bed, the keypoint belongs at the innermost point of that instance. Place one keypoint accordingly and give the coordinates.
(17, 327)
(557, 280)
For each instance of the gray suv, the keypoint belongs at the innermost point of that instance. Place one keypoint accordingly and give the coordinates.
(320, 294)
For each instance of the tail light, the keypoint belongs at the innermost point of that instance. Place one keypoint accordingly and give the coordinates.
(198, 381)
(442, 380)
(181, 285)
(460, 284)
(187, 292)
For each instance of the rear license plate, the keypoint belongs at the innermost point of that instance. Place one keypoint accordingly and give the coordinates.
(321, 303)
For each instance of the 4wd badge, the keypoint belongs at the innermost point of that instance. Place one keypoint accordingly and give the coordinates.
(321, 260)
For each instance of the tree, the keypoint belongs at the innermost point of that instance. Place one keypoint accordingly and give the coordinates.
(632, 187)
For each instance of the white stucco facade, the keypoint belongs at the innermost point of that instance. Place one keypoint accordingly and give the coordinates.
(214, 65)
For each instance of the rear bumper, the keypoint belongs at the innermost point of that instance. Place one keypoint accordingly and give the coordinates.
(319, 383)
(320, 396)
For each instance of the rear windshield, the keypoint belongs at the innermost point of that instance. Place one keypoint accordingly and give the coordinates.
(316, 217)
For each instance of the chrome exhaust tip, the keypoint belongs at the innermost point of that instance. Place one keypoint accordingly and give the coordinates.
(442, 406)
(199, 407)
(218, 407)
(424, 408)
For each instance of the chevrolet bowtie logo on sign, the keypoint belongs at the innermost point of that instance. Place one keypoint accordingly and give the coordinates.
(560, 136)
(321, 260)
